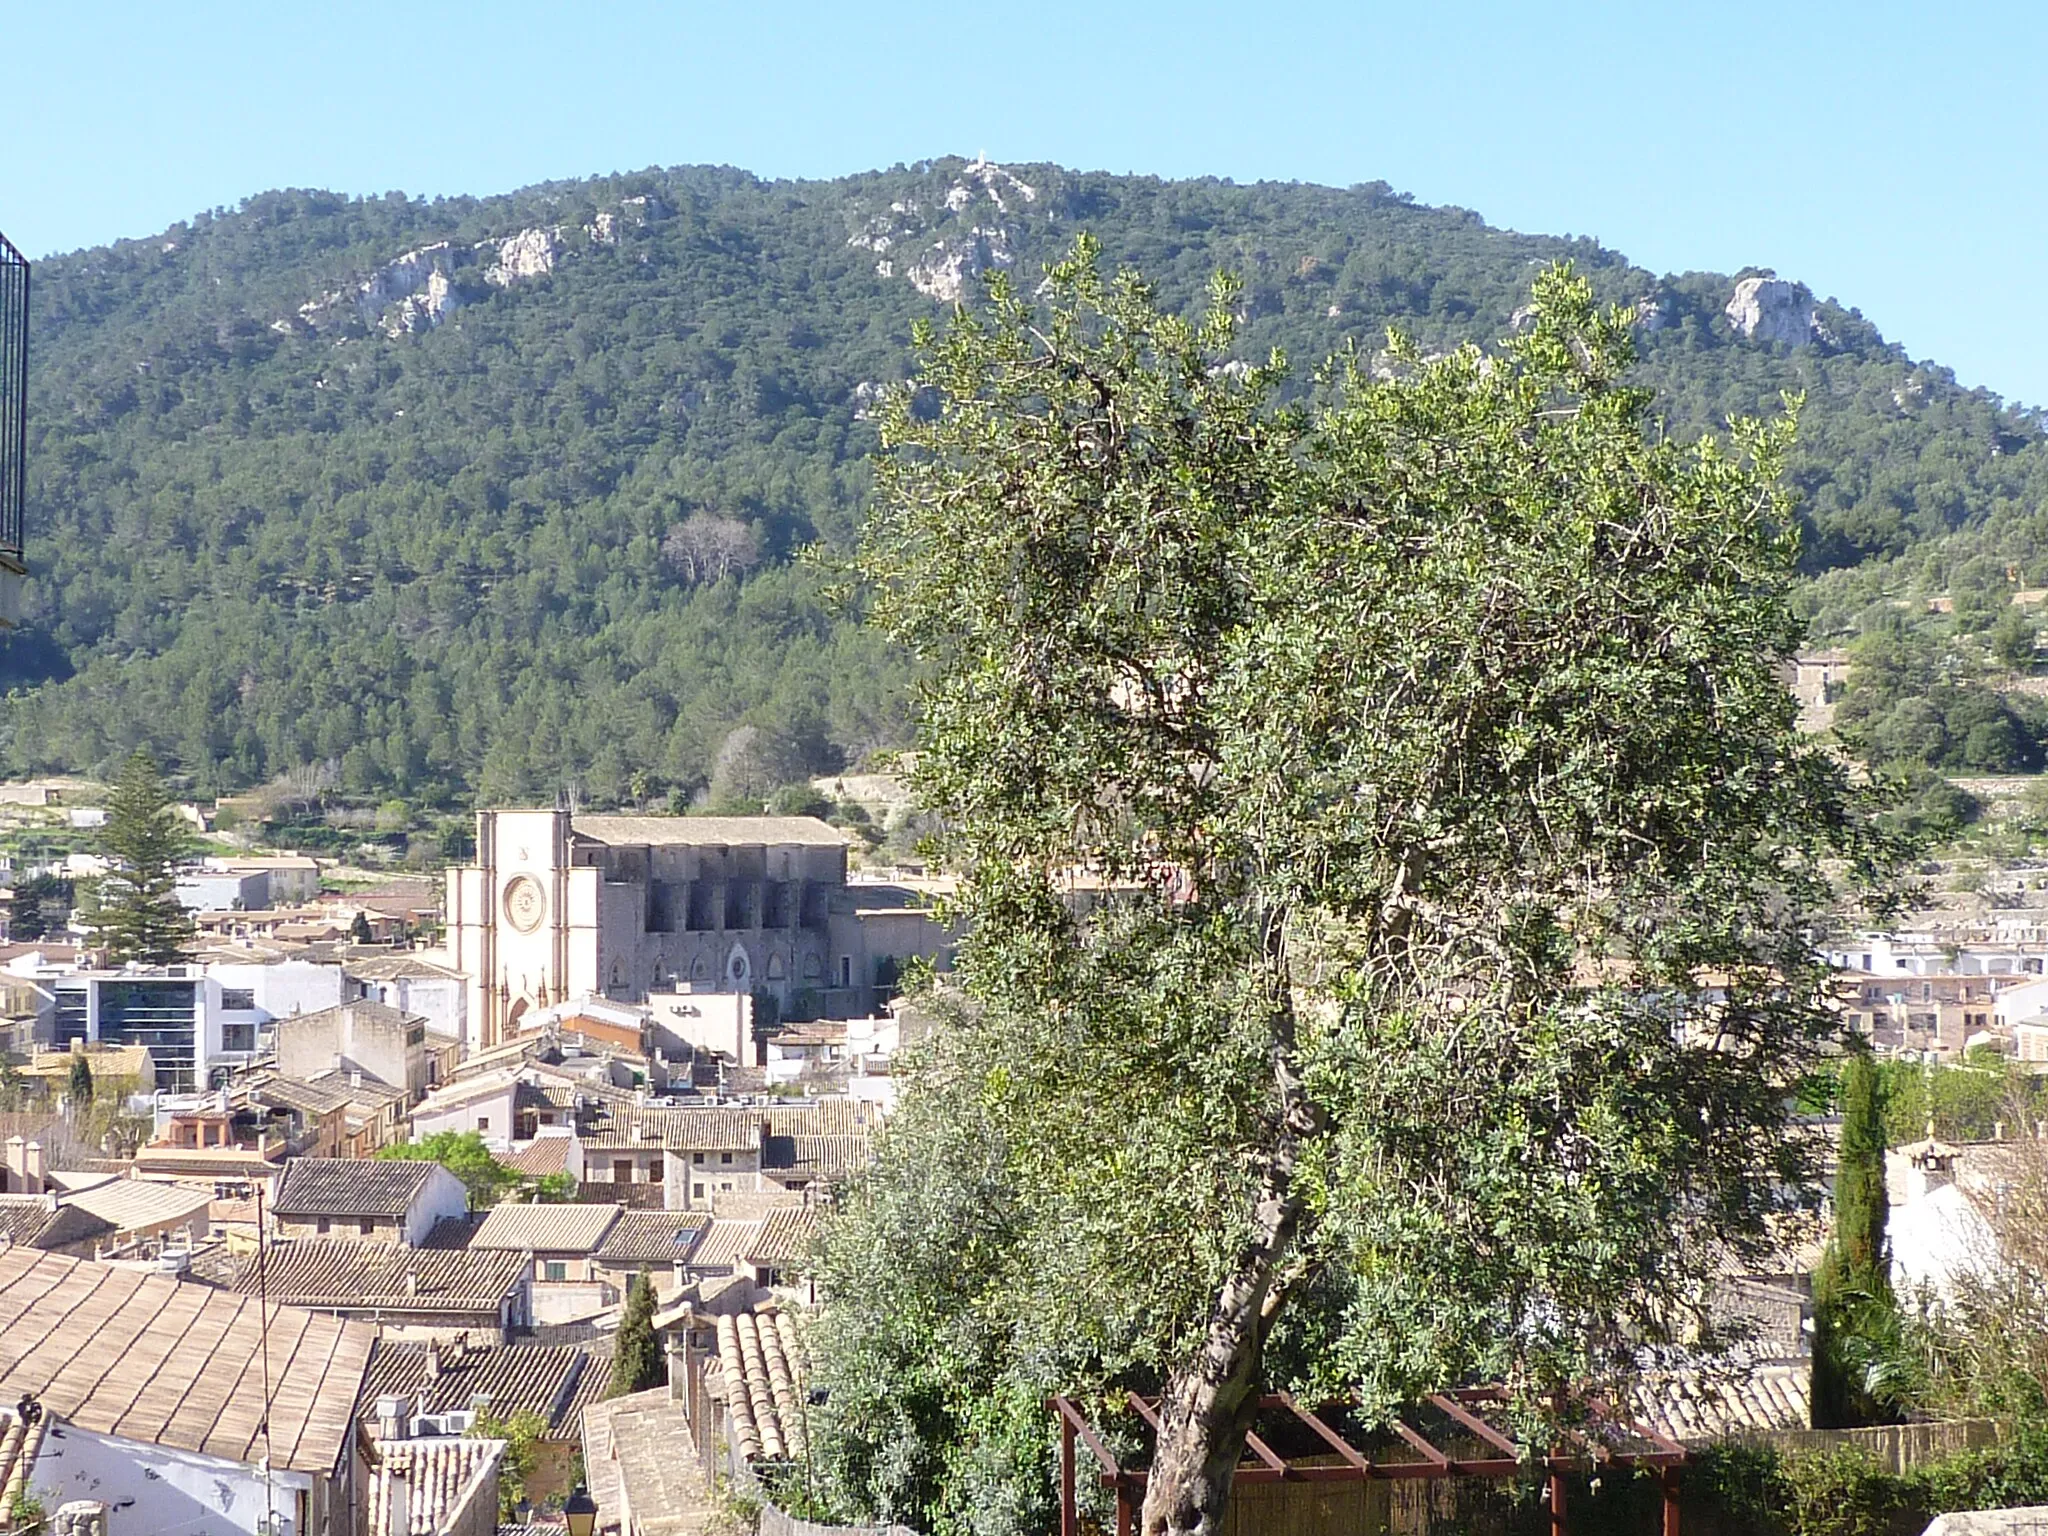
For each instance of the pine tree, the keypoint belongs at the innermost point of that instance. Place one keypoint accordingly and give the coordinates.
(1853, 1307)
(636, 1354)
(81, 1081)
(137, 915)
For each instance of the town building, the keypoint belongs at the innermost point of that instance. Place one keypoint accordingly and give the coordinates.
(149, 1394)
(363, 1039)
(368, 1200)
(632, 908)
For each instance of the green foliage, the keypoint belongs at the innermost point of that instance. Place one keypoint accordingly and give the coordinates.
(40, 908)
(486, 559)
(1845, 1491)
(135, 912)
(554, 1188)
(520, 1432)
(1361, 1082)
(1855, 1318)
(80, 1086)
(463, 1154)
(1961, 1101)
(636, 1352)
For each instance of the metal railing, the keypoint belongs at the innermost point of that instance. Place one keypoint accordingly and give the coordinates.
(13, 402)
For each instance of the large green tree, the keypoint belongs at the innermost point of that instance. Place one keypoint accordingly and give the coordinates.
(1430, 727)
(464, 1154)
(136, 914)
(636, 1352)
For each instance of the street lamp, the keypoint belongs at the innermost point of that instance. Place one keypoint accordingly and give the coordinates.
(580, 1512)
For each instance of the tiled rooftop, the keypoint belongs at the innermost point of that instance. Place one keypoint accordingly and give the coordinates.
(172, 1363)
(351, 1186)
(785, 1236)
(443, 1477)
(1696, 1406)
(545, 1228)
(830, 1157)
(383, 1277)
(761, 1377)
(708, 831)
(651, 1237)
(686, 1130)
(552, 1380)
(19, 1444)
(630, 1453)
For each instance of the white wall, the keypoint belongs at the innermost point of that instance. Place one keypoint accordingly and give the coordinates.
(497, 1109)
(169, 1493)
(443, 1197)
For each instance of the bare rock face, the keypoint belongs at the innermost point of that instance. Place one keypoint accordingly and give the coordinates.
(1771, 309)
(967, 232)
(529, 254)
(944, 271)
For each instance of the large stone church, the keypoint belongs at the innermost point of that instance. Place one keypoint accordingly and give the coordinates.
(561, 905)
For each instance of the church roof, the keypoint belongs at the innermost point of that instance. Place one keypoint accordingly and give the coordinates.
(708, 831)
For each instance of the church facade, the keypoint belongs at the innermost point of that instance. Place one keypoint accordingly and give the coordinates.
(560, 905)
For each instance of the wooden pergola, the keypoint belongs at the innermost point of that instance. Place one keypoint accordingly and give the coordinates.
(1447, 1435)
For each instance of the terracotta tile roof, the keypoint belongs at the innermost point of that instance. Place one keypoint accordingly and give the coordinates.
(41, 1222)
(552, 1380)
(651, 1237)
(130, 1205)
(167, 1362)
(396, 968)
(686, 1130)
(467, 1091)
(726, 1243)
(348, 1275)
(785, 1236)
(545, 1155)
(568, 1228)
(19, 1445)
(761, 1377)
(280, 1092)
(708, 831)
(753, 1204)
(827, 1117)
(351, 1186)
(1696, 1406)
(830, 1157)
(444, 1479)
(208, 1163)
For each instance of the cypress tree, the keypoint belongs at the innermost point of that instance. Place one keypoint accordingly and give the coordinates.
(81, 1081)
(1852, 1289)
(137, 915)
(636, 1353)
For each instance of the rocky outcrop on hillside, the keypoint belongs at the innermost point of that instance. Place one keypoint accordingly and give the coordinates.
(970, 231)
(1771, 309)
(418, 289)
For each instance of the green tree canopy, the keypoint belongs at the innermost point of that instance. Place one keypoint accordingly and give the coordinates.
(636, 1353)
(463, 1154)
(136, 914)
(1853, 1312)
(1433, 730)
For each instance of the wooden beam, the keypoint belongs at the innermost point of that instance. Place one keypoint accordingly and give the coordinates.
(1331, 1438)
(1477, 1425)
(1087, 1433)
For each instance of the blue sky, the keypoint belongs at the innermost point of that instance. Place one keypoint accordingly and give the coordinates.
(1888, 155)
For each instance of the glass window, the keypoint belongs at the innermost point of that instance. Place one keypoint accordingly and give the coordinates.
(367, 1226)
(238, 999)
(554, 1269)
(725, 1157)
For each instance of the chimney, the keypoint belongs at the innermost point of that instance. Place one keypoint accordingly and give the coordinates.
(394, 1416)
(1998, 1130)
(13, 1174)
(398, 1505)
(412, 1282)
(34, 1170)
(433, 1361)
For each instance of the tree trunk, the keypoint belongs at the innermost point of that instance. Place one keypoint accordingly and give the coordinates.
(1209, 1402)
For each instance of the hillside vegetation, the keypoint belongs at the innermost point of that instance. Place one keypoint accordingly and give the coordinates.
(492, 497)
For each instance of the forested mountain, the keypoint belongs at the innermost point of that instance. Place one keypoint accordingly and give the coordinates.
(482, 496)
